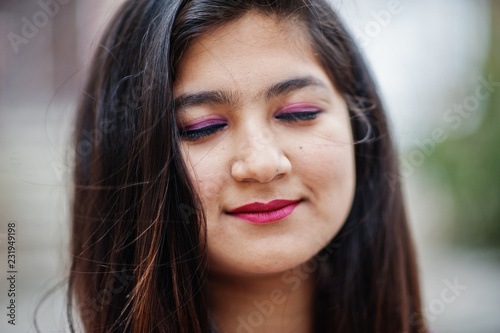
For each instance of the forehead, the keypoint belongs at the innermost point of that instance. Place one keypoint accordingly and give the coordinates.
(252, 30)
(253, 50)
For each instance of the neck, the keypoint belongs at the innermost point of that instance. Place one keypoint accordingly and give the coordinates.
(281, 302)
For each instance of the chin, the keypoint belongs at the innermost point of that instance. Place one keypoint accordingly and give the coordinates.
(278, 264)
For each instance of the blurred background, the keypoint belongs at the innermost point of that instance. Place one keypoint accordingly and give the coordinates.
(437, 64)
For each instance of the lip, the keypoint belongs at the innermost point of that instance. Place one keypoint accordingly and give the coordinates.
(260, 213)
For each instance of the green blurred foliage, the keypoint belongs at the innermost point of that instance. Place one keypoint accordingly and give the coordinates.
(470, 165)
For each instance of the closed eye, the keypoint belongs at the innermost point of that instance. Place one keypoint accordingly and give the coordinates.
(193, 135)
(297, 116)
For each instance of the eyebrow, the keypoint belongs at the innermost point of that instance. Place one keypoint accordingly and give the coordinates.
(223, 97)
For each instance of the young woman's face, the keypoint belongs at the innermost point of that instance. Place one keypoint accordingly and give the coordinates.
(261, 121)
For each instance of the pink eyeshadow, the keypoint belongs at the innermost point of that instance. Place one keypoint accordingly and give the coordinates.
(298, 107)
(203, 122)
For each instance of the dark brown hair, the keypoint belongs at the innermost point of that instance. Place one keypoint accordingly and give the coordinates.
(137, 260)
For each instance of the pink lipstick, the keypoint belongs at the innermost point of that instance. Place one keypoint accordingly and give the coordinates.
(260, 213)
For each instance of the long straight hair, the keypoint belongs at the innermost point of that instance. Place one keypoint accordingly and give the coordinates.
(137, 223)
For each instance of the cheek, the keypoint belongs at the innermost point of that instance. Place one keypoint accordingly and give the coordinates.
(332, 164)
(210, 185)
(207, 175)
(330, 171)
(327, 168)
(331, 182)
(330, 154)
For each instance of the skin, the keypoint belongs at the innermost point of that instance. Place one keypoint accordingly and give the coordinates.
(258, 157)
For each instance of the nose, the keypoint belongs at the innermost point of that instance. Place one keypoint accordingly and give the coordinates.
(260, 158)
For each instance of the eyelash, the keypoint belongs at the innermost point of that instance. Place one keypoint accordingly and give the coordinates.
(197, 134)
